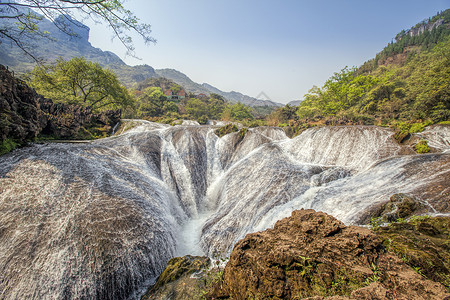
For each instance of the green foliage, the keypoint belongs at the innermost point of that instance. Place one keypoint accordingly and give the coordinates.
(78, 81)
(422, 147)
(241, 134)
(196, 108)
(224, 130)
(151, 102)
(238, 112)
(417, 90)
(7, 146)
(203, 120)
(375, 223)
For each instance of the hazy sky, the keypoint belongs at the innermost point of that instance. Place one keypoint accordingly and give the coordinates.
(281, 48)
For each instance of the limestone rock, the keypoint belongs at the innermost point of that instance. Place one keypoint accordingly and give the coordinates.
(311, 254)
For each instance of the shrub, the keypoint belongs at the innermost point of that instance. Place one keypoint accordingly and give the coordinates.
(422, 147)
(7, 146)
(401, 135)
(203, 120)
(224, 130)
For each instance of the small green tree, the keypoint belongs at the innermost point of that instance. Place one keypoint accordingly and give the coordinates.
(78, 81)
(241, 112)
(196, 108)
(153, 103)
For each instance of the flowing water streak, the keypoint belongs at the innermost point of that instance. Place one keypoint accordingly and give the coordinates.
(99, 220)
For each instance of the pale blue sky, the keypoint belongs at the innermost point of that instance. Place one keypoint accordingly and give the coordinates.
(282, 48)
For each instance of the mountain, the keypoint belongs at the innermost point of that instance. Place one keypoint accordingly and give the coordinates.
(183, 80)
(66, 46)
(238, 97)
(69, 46)
(206, 88)
(295, 102)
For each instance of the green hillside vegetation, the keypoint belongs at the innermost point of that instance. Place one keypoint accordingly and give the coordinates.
(426, 40)
(152, 104)
(405, 86)
(82, 82)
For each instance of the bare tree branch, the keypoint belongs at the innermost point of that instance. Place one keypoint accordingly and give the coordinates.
(25, 12)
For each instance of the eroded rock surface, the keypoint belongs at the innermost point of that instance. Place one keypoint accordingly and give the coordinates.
(311, 254)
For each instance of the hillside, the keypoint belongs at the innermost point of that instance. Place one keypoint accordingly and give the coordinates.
(206, 88)
(65, 46)
(406, 83)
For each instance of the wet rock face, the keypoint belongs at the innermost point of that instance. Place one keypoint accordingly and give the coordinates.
(312, 254)
(24, 114)
(399, 206)
(184, 278)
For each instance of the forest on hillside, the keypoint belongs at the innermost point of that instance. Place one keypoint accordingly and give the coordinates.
(406, 84)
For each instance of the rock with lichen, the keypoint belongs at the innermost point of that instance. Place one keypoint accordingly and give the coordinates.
(313, 255)
(184, 278)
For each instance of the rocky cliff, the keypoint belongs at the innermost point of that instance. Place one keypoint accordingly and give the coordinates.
(25, 114)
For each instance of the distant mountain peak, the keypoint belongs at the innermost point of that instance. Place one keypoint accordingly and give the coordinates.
(73, 27)
(76, 43)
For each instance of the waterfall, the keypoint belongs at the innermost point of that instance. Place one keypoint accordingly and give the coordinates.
(98, 220)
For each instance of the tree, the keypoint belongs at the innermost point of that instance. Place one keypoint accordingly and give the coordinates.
(153, 103)
(196, 108)
(240, 112)
(21, 18)
(78, 81)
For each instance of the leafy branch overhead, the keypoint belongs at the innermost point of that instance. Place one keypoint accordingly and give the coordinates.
(22, 20)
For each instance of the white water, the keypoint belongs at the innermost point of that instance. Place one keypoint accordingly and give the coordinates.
(99, 220)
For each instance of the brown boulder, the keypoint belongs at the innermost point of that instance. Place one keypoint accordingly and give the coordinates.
(311, 254)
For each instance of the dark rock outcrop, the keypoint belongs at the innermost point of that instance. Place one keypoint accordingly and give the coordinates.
(184, 278)
(74, 121)
(25, 114)
(399, 206)
(311, 254)
(423, 244)
(20, 116)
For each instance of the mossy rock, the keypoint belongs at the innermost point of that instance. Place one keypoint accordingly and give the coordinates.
(8, 145)
(203, 120)
(400, 206)
(422, 147)
(423, 244)
(181, 266)
(401, 135)
(241, 134)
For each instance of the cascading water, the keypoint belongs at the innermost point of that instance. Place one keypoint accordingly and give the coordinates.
(98, 220)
